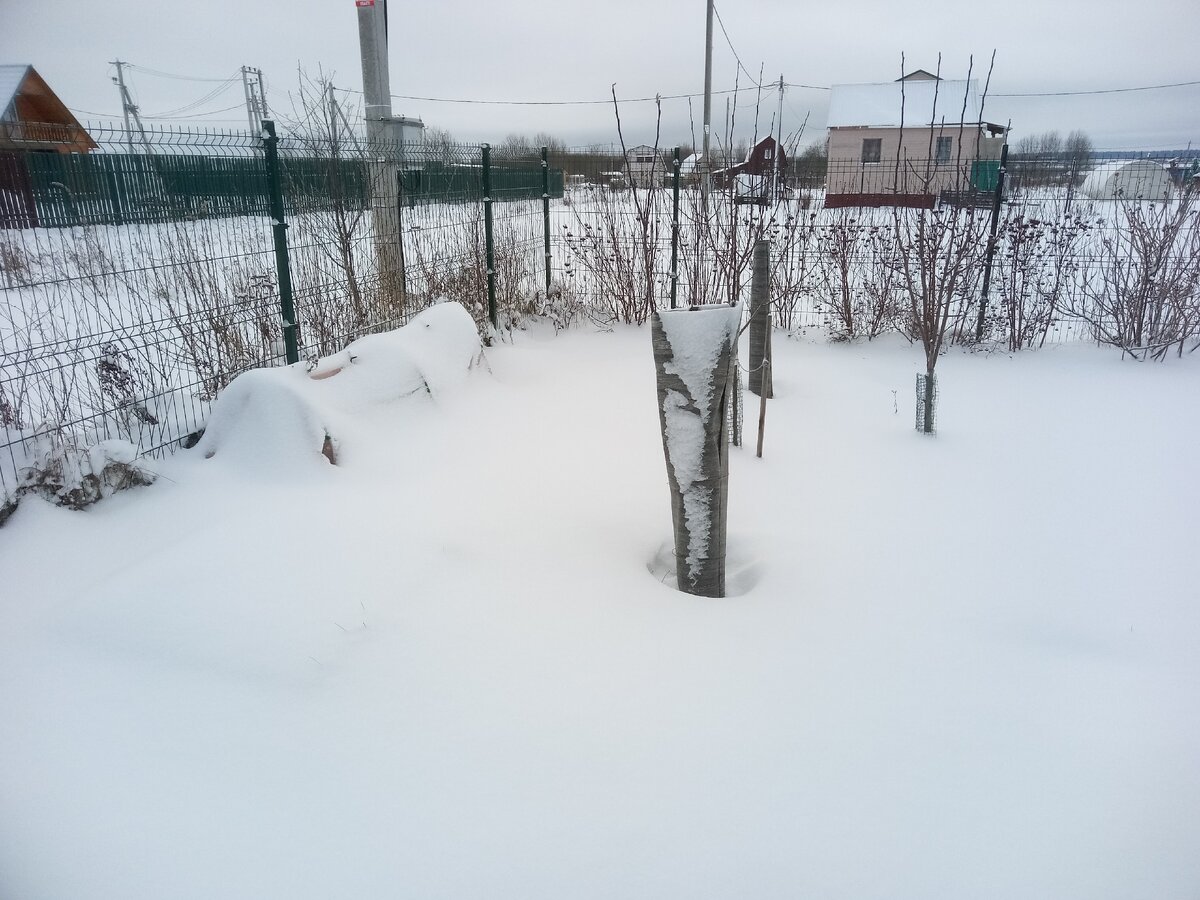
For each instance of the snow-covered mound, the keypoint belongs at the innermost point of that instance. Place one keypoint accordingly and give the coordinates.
(280, 417)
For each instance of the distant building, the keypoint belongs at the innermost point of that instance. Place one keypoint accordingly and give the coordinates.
(905, 142)
(1130, 179)
(646, 166)
(765, 164)
(33, 118)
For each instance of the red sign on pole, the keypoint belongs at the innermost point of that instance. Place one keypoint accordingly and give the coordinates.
(364, 2)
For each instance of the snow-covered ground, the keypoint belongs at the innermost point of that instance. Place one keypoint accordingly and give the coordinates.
(959, 667)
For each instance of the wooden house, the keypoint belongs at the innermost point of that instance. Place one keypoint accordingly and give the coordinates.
(33, 118)
(906, 142)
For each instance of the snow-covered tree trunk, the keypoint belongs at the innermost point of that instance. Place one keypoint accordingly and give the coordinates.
(694, 353)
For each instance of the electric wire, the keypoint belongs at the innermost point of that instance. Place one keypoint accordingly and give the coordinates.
(160, 74)
(196, 104)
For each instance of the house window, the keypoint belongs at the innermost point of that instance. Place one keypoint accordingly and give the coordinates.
(943, 149)
(871, 149)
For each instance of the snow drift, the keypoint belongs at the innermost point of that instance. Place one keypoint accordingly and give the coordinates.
(296, 415)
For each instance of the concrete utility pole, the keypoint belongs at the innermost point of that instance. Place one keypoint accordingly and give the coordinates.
(384, 136)
(126, 101)
(776, 170)
(256, 98)
(706, 181)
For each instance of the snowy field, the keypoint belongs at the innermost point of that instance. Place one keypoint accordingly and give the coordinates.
(960, 667)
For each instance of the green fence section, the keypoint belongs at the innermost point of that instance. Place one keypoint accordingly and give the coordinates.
(120, 188)
(439, 182)
(66, 190)
(985, 174)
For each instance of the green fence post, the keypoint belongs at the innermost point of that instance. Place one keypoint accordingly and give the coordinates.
(674, 227)
(546, 212)
(114, 191)
(279, 228)
(489, 244)
(991, 245)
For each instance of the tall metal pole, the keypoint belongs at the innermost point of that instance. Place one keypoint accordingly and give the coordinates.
(489, 248)
(706, 181)
(991, 244)
(287, 308)
(125, 99)
(674, 227)
(383, 146)
(256, 99)
(546, 213)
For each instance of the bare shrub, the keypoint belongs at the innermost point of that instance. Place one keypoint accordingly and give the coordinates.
(223, 309)
(1145, 298)
(17, 263)
(450, 263)
(858, 277)
(793, 264)
(1038, 276)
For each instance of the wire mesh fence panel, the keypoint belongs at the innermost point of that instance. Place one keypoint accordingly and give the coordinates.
(140, 277)
(132, 306)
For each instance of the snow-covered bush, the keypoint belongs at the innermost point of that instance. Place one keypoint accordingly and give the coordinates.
(69, 475)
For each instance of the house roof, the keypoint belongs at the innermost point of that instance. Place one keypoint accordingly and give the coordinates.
(11, 77)
(919, 75)
(923, 103)
(1129, 178)
(34, 117)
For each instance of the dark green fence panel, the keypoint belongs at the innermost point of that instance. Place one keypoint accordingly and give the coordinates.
(440, 183)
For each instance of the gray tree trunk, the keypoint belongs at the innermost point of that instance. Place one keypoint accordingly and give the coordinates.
(760, 320)
(694, 352)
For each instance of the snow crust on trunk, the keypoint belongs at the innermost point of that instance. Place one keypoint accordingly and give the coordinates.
(696, 342)
(696, 339)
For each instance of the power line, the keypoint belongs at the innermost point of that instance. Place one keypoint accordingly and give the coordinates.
(753, 81)
(196, 104)
(159, 74)
(196, 115)
(1128, 90)
(558, 102)
(91, 112)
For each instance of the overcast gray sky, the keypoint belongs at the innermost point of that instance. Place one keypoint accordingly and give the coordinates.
(535, 50)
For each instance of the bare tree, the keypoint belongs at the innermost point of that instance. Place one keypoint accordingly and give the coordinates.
(938, 260)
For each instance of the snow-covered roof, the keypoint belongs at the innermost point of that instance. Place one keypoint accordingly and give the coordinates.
(879, 105)
(11, 77)
(1128, 178)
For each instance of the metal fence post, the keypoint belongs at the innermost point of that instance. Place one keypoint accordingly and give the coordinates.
(546, 212)
(991, 244)
(674, 227)
(404, 310)
(279, 228)
(114, 191)
(489, 244)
